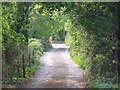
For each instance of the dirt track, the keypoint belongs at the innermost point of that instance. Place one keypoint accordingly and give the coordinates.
(58, 70)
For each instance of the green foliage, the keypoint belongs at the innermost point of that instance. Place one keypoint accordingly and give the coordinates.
(10, 36)
(47, 22)
(85, 63)
(89, 38)
(15, 25)
(103, 82)
(17, 77)
(92, 34)
(68, 39)
(34, 67)
(89, 28)
(46, 44)
(35, 45)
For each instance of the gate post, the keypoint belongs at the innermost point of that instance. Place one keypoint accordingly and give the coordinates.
(23, 59)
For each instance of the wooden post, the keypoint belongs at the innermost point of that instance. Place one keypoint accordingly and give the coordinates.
(115, 58)
(29, 61)
(118, 65)
(23, 65)
(33, 53)
(18, 71)
(33, 56)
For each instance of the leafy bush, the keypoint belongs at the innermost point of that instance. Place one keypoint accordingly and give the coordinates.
(45, 42)
(91, 37)
(103, 82)
(35, 45)
(83, 62)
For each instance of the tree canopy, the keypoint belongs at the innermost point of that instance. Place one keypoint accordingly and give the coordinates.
(90, 28)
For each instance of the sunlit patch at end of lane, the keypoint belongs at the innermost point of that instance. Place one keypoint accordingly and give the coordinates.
(60, 46)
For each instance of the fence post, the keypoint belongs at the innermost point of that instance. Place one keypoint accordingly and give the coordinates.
(23, 59)
(29, 61)
(18, 71)
(118, 54)
(115, 58)
(33, 56)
